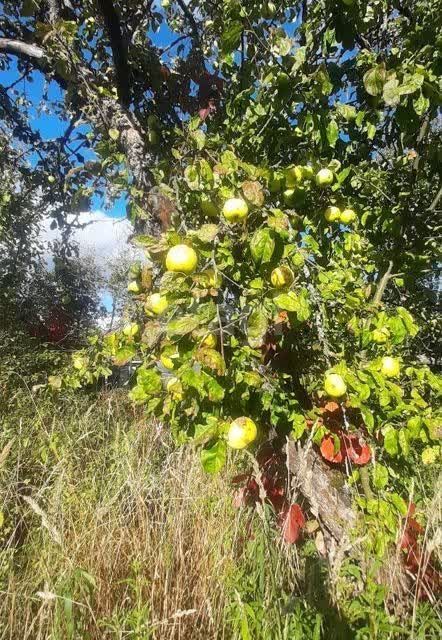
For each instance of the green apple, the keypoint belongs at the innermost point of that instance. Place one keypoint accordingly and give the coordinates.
(235, 210)
(181, 258)
(332, 214)
(348, 3)
(334, 385)
(390, 367)
(308, 172)
(324, 178)
(347, 216)
(242, 432)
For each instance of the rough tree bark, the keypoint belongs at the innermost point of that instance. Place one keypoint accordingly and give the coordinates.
(323, 488)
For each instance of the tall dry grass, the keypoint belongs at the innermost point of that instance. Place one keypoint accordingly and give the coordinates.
(110, 532)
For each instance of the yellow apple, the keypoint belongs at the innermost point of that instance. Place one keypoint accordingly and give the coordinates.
(347, 216)
(293, 175)
(390, 367)
(181, 258)
(157, 303)
(332, 214)
(334, 385)
(281, 277)
(133, 287)
(242, 432)
(324, 178)
(235, 210)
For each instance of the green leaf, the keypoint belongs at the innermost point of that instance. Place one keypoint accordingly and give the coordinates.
(148, 385)
(256, 328)
(182, 326)
(380, 476)
(214, 458)
(206, 173)
(404, 442)
(391, 93)
(399, 503)
(371, 130)
(421, 104)
(332, 133)
(287, 301)
(303, 311)
(123, 355)
(206, 313)
(212, 359)
(215, 391)
(199, 138)
(206, 233)
(191, 176)
(231, 37)
(411, 83)
(253, 192)
(391, 445)
(262, 246)
(151, 334)
(374, 80)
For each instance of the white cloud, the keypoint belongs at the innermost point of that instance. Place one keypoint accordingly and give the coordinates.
(103, 237)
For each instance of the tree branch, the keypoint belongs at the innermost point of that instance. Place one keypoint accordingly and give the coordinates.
(382, 284)
(21, 49)
(119, 50)
(435, 202)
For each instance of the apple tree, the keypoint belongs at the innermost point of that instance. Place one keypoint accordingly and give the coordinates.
(281, 164)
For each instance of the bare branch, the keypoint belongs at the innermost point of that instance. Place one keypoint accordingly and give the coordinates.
(21, 49)
(119, 50)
